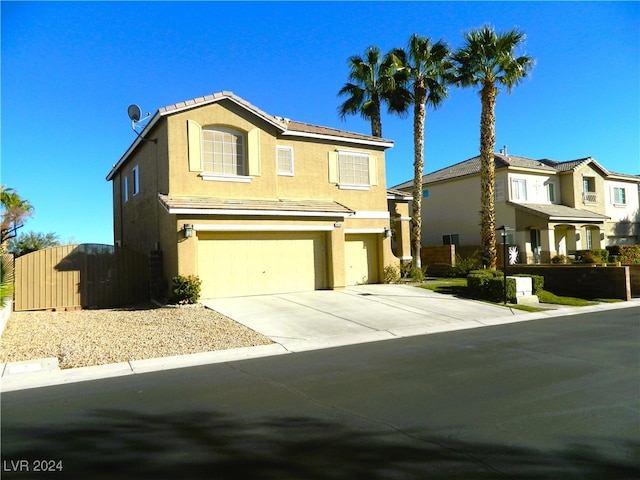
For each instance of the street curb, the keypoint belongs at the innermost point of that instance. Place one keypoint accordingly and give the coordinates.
(46, 372)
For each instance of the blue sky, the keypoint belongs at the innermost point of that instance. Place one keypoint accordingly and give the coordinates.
(69, 71)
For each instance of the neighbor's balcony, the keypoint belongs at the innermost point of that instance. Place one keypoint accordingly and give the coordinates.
(589, 197)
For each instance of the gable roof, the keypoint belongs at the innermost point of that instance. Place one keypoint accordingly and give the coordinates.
(472, 167)
(284, 126)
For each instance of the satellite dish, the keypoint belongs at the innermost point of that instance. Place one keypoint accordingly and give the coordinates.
(134, 113)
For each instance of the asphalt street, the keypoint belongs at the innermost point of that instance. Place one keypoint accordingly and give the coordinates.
(552, 398)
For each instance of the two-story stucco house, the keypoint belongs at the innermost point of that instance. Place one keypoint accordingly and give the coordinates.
(555, 208)
(253, 203)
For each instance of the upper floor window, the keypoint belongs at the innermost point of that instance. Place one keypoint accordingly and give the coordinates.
(518, 189)
(589, 190)
(284, 160)
(353, 168)
(223, 151)
(224, 154)
(551, 192)
(125, 189)
(619, 196)
(135, 176)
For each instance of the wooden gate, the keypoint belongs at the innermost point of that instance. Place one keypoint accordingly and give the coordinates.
(85, 275)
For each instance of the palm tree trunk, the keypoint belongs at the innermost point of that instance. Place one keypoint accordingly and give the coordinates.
(376, 122)
(488, 96)
(419, 114)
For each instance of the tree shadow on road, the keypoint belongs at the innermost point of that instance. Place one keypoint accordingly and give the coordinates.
(197, 445)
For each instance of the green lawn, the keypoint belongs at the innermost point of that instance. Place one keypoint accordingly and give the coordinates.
(458, 286)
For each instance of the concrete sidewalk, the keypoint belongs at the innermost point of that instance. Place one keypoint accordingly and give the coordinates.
(304, 321)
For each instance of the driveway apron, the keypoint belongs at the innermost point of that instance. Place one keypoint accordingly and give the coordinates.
(367, 311)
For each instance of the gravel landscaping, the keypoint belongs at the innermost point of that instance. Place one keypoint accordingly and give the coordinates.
(84, 338)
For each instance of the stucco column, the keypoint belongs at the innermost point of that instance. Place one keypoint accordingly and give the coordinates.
(548, 240)
(336, 263)
(401, 225)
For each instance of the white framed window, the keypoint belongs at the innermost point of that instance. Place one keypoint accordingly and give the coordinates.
(499, 190)
(135, 176)
(125, 189)
(589, 190)
(223, 152)
(518, 189)
(353, 168)
(551, 192)
(619, 196)
(284, 160)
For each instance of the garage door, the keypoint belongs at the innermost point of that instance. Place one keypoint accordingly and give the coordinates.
(361, 259)
(237, 264)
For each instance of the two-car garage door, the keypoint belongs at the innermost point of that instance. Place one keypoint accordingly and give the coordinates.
(255, 263)
(234, 264)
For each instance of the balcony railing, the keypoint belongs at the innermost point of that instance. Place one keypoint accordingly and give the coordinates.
(589, 197)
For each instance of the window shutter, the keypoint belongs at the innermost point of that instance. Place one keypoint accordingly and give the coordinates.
(253, 154)
(373, 170)
(333, 167)
(194, 131)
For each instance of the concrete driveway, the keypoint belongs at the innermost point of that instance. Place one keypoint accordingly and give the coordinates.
(323, 318)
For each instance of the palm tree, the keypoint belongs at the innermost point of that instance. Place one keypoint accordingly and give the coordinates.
(14, 210)
(486, 60)
(374, 81)
(428, 69)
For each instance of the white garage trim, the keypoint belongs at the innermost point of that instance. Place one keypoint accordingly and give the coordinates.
(203, 227)
(371, 215)
(271, 213)
(363, 230)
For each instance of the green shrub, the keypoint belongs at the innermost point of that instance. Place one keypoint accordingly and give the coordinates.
(630, 253)
(477, 281)
(391, 274)
(185, 290)
(494, 290)
(410, 272)
(6, 280)
(592, 256)
(560, 259)
(464, 266)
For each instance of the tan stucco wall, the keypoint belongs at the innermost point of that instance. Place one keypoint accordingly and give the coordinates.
(311, 163)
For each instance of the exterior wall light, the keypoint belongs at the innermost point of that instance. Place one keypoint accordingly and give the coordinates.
(387, 232)
(188, 230)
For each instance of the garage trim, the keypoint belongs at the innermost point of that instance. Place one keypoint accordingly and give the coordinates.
(202, 227)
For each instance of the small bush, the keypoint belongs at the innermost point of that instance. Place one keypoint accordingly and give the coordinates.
(630, 253)
(464, 266)
(409, 272)
(391, 274)
(560, 259)
(477, 281)
(185, 290)
(495, 289)
(592, 256)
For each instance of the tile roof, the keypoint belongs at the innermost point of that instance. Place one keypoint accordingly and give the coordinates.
(231, 205)
(285, 126)
(472, 167)
(559, 212)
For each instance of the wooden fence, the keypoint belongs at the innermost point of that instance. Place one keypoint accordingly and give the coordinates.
(80, 276)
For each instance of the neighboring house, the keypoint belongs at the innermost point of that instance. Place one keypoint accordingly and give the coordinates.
(555, 208)
(253, 203)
